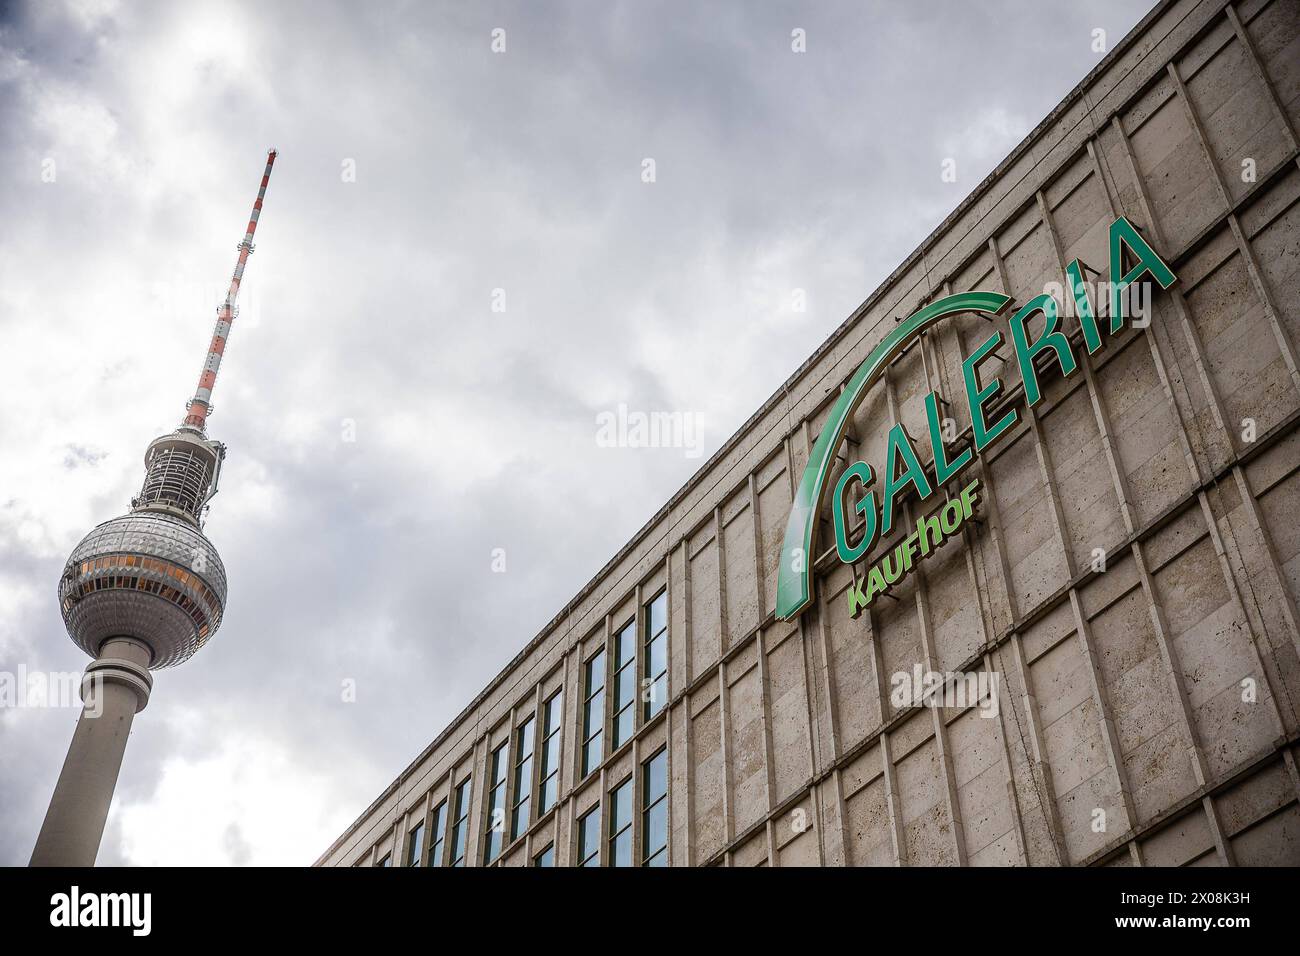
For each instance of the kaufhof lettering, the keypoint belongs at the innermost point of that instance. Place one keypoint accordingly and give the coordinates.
(932, 532)
(903, 475)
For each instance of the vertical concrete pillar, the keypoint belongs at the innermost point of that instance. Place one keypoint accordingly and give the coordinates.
(114, 689)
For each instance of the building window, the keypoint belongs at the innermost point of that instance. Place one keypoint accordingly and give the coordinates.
(589, 838)
(387, 860)
(624, 685)
(414, 844)
(524, 743)
(655, 663)
(495, 825)
(546, 858)
(620, 824)
(460, 828)
(654, 812)
(436, 834)
(552, 715)
(593, 713)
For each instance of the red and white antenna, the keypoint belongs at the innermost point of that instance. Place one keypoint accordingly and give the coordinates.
(200, 406)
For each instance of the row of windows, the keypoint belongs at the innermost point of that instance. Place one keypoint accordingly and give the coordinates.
(527, 743)
(654, 820)
(437, 825)
(654, 682)
(132, 582)
(654, 826)
(114, 562)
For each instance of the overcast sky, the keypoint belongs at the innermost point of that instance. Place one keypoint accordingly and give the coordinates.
(132, 138)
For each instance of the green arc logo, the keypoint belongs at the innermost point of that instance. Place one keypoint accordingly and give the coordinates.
(794, 579)
(794, 589)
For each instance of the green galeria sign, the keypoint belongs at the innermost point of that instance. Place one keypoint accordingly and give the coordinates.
(903, 471)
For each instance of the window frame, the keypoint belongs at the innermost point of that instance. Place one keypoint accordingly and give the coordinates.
(415, 843)
(646, 805)
(595, 810)
(495, 786)
(545, 772)
(633, 662)
(521, 779)
(586, 716)
(647, 639)
(463, 794)
(629, 828)
(437, 831)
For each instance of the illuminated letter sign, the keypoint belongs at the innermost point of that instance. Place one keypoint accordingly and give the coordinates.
(903, 471)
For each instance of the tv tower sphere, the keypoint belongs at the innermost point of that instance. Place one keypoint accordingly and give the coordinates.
(151, 574)
(141, 592)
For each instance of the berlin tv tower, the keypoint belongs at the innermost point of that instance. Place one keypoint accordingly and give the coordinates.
(141, 592)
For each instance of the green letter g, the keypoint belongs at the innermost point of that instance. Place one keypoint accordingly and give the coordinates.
(865, 507)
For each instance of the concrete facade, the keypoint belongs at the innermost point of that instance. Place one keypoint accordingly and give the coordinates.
(1149, 713)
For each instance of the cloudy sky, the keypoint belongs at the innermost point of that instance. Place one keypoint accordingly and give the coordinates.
(419, 173)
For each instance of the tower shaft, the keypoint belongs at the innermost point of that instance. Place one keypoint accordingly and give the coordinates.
(200, 406)
(115, 687)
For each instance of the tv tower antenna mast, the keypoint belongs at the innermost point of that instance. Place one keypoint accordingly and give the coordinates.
(141, 592)
(200, 406)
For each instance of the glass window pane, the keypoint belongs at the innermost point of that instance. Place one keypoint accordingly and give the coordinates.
(654, 809)
(656, 828)
(495, 823)
(592, 752)
(437, 825)
(657, 658)
(414, 845)
(554, 712)
(657, 619)
(656, 697)
(595, 715)
(519, 821)
(550, 755)
(461, 826)
(523, 782)
(656, 778)
(458, 858)
(625, 687)
(595, 677)
(589, 838)
(621, 850)
(623, 727)
(625, 644)
(620, 807)
(546, 857)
